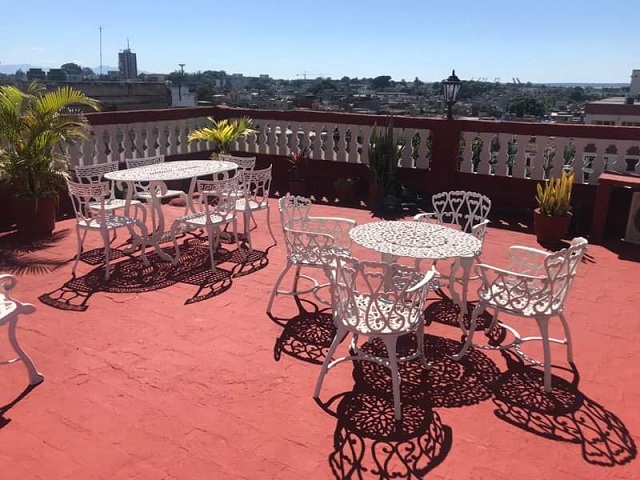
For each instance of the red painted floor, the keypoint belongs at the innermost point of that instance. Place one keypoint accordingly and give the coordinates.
(173, 373)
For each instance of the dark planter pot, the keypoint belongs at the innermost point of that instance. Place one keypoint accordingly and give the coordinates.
(298, 187)
(376, 193)
(35, 218)
(346, 193)
(391, 203)
(550, 229)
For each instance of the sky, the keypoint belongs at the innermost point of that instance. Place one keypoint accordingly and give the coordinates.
(534, 41)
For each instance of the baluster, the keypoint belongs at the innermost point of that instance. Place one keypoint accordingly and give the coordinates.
(281, 139)
(73, 154)
(99, 153)
(87, 149)
(164, 134)
(324, 135)
(152, 140)
(534, 168)
(180, 141)
(465, 154)
(351, 144)
(119, 149)
(340, 144)
(500, 157)
(484, 157)
(271, 146)
(314, 140)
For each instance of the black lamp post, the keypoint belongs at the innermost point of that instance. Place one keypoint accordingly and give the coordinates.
(451, 87)
(180, 81)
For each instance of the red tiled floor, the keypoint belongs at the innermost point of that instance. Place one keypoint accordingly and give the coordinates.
(181, 382)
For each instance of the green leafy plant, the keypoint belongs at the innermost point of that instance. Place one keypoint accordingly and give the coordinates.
(299, 163)
(223, 132)
(554, 197)
(35, 128)
(385, 151)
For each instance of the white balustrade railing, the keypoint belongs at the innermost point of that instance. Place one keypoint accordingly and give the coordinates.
(542, 157)
(499, 152)
(333, 142)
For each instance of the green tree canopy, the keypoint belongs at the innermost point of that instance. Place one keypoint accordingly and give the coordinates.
(522, 106)
(71, 68)
(381, 82)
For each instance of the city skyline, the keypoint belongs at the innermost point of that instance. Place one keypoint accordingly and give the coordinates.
(558, 41)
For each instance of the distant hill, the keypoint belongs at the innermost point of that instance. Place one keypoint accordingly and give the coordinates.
(10, 69)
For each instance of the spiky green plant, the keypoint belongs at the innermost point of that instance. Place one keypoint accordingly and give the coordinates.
(384, 153)
(554, 198)
(35, 126)
(223, 132)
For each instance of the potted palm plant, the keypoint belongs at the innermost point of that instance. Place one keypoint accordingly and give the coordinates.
(222, 133)
(35, 128)
(552, 217)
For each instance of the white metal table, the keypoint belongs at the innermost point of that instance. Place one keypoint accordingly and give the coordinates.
(159, 173)
(423, 240)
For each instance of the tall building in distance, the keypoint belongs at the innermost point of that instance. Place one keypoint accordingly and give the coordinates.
(127, 63)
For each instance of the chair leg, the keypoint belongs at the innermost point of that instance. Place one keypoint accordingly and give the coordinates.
(420, 340)
(212, 247)
(247, 231)
(472, 328)
(543, 324)
(274, 292)
(80, 245)
(275, 242)
(390, 343)
(340, 334)
(296, 279)
(35, 377)
(567, 336)
(174, 238)
(107, 253)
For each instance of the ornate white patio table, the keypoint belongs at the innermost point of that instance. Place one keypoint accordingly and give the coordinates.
(156, 175)
(421, 240)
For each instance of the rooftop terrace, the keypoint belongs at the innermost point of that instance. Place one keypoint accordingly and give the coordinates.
(176, 373)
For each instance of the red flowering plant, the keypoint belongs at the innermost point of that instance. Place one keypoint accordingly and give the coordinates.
(299, 163)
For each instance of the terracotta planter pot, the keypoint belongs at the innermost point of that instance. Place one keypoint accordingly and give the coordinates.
(346, 193)
(550, 229)
(376, 193)
(35, 218)
(298, 187)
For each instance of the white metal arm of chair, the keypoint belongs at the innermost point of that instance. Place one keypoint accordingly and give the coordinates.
(518, 292)
(479, 230)
(425, 216)
(425, 280)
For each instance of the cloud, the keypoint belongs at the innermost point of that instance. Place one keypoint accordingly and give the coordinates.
(37, 49)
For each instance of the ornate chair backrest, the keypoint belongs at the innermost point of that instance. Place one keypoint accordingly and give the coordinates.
(561, 269)
(244, 163)
(306, 247)
(465, 209)
(219, 197)
(143, 187)
(293, 209)
(375, 296)
(95, 173)
(84, 195)
(257, 184)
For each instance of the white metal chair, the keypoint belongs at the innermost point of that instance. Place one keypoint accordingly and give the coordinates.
(535, 285)
(217, 209)
(95, 174)
(465, 210)
(244, 163)
(87, 196)
(142, 188)
(308, 241)
(376, 300)
(10, 310)
(257, 184)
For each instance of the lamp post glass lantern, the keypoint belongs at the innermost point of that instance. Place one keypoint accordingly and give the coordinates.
(451, 87)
